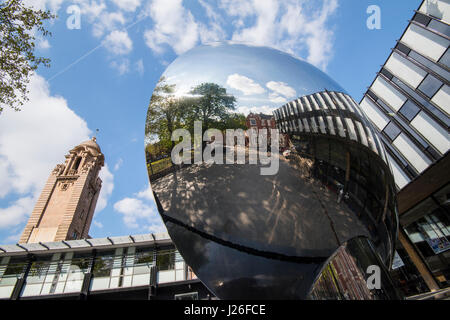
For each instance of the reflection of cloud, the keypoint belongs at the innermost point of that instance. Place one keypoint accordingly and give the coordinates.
(281, 88)
(244, 84)
(275, 98)
(261, 109)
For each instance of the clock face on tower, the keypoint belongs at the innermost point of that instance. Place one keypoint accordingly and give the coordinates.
(265, 171)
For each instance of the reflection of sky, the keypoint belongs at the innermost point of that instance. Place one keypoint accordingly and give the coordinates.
(260, 78)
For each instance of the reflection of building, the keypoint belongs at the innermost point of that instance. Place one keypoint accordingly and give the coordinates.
(345, 276)
(331, 114)
(260, 121)
(409, 104)
(66, 205)
(129, 267)
(333, 143)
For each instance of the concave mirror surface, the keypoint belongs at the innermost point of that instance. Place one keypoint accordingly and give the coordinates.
(279, 168)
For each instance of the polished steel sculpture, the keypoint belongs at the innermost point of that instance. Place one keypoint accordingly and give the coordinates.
(309, 209)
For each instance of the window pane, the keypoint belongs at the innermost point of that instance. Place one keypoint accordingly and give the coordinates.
(103, 264)
(446, 58)
(430, 86)
(392, 131)
(144, 256)
(440, 27)
(166, 260)
(409, 110)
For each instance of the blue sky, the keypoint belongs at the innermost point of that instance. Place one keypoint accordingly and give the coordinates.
(103, 74)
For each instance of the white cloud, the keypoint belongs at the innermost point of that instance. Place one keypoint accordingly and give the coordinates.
(174, 26)
(275, 98)
(32, 142)
(118, 164)
(118, 42)
(140, 212)
(261, 109)
(14, 238)
(293, 26)
(17, 213)
(52, 5)
(122, 66)
(263, 32)
(244, 84)
(127, 5)
(281, 88)
(133, 210)
(107, 188)
(97, 224)
(107, 21)
(139, 66)
(43, 44)
(146, 194)
(35, 139)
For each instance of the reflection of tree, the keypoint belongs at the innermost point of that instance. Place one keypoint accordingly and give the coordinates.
(164, 115)
(232, 121)
(208, 103)
(212, 105)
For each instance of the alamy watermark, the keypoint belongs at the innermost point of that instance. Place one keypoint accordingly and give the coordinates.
(374, 280)
(242, 144)
(74, 20)
(374, 20)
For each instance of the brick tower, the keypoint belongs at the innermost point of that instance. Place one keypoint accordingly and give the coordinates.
(66, 205)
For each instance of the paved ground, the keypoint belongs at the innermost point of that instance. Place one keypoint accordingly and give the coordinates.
(284, 213)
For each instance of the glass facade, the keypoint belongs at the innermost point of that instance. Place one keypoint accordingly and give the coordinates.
(67, 272)
(428, 228)
(412, 89)
(416, 135)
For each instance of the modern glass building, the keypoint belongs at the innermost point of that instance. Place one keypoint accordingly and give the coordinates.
(409, 105)
(130, 267)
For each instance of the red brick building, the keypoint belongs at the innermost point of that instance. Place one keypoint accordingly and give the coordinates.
(260, 121)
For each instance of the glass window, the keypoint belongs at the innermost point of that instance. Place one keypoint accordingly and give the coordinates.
(16, 267)
(443, 196)
(445, 59)
(409, 110)
(423, 101)
(166, 260)
(392, 131)
(82, 260)
(187, 296)
(400, 46)
(431, 65)
(144, 256)
(440, 27)
(103, 264)
(421, 18)
(39, 269)
(430, 86)
(253, 122)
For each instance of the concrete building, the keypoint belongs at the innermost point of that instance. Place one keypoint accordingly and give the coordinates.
(137, 267)
(66, 205)
(409, 105)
